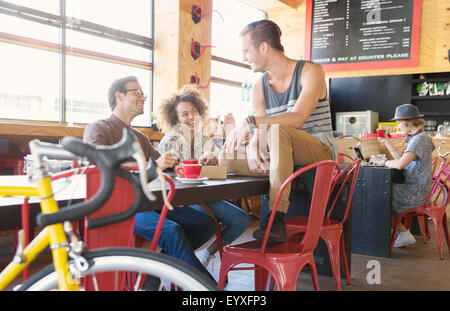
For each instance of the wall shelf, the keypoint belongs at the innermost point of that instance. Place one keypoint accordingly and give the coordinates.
(431, 80)
(427, 97)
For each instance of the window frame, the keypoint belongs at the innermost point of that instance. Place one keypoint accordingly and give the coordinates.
(228, 61)
(64, 23)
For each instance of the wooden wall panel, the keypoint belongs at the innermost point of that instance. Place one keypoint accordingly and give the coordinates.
(173, 63)
(166, 50)
(293, 31)
(200, 32)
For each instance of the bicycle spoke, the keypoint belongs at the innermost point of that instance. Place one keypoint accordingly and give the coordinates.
(138, 281)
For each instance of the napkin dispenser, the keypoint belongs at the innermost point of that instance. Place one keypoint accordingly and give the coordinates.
(214, 172)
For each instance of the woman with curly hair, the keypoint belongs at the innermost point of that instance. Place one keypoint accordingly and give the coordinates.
(181, 117)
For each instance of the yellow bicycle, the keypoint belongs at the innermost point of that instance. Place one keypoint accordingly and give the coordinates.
(73, 267)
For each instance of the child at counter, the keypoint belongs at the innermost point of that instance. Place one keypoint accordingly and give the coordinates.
(181, 117)
(415, 162)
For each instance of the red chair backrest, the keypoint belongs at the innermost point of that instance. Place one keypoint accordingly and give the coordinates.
(115, 235)
(11, 164)
(433, 165)
(347, 176)
(342, 157)
(324, 175)
(119, 234)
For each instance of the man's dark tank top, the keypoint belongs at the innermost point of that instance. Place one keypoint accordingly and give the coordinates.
(319, 122)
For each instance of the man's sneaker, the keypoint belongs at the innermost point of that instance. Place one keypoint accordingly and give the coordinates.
(278, 230)
(404, 238)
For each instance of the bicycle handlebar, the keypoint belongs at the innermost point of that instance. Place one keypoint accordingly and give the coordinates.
(108, 160)
(439, 151)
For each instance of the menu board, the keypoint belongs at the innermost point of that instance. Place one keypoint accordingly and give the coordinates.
(345, 35)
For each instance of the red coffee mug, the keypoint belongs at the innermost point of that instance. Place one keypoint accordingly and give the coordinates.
(381, 132)
(189, 170)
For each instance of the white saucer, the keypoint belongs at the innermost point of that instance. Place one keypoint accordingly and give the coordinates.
(191, 180)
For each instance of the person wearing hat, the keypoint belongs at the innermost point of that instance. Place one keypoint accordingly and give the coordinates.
(415, 161)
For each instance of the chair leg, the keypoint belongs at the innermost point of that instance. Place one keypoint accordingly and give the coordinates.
(272, 284)
(332, 239)
(344, 261)
(223, 275)
(219, 236)
(397, 221)
(407, 222)
(261, 278)
(447, 237)
(427, 227)
(437, 221)
(314, 277)
(285, 274)
(422, 225)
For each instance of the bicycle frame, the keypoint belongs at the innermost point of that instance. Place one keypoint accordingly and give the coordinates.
(52, 235)
(443, 168)
(57, 232)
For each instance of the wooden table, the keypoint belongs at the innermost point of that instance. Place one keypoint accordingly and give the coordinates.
(233, 187)
(10, 207)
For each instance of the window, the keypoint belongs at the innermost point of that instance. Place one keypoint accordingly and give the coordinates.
(231, 79)
(102, 40)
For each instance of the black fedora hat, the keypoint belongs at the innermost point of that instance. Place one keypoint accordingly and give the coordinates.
(406, 112)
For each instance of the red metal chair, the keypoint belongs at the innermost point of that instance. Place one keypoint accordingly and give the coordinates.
(119, 234)
(332, 230)
(421, 220)
(341, 157)
(434, 207)
(284, 261)
(11, 164)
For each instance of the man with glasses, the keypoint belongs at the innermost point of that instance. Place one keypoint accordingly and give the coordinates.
(184, 229)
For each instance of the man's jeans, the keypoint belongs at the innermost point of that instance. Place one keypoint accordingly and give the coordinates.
(232, 217)
(185, 229)
(292, 147)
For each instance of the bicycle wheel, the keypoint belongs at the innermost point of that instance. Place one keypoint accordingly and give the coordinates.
(124, 269)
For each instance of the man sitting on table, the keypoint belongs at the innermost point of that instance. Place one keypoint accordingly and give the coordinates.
(184, 229)
(292, 94)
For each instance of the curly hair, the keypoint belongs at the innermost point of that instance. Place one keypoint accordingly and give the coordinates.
(167, 114)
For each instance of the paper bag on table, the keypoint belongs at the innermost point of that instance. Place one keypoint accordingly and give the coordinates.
(214, 172)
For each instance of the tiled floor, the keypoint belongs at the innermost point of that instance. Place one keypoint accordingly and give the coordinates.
(415, 267)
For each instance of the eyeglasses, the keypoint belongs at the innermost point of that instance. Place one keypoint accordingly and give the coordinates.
(137, 92)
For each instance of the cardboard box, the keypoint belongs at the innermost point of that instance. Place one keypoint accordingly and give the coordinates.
(214, 172)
